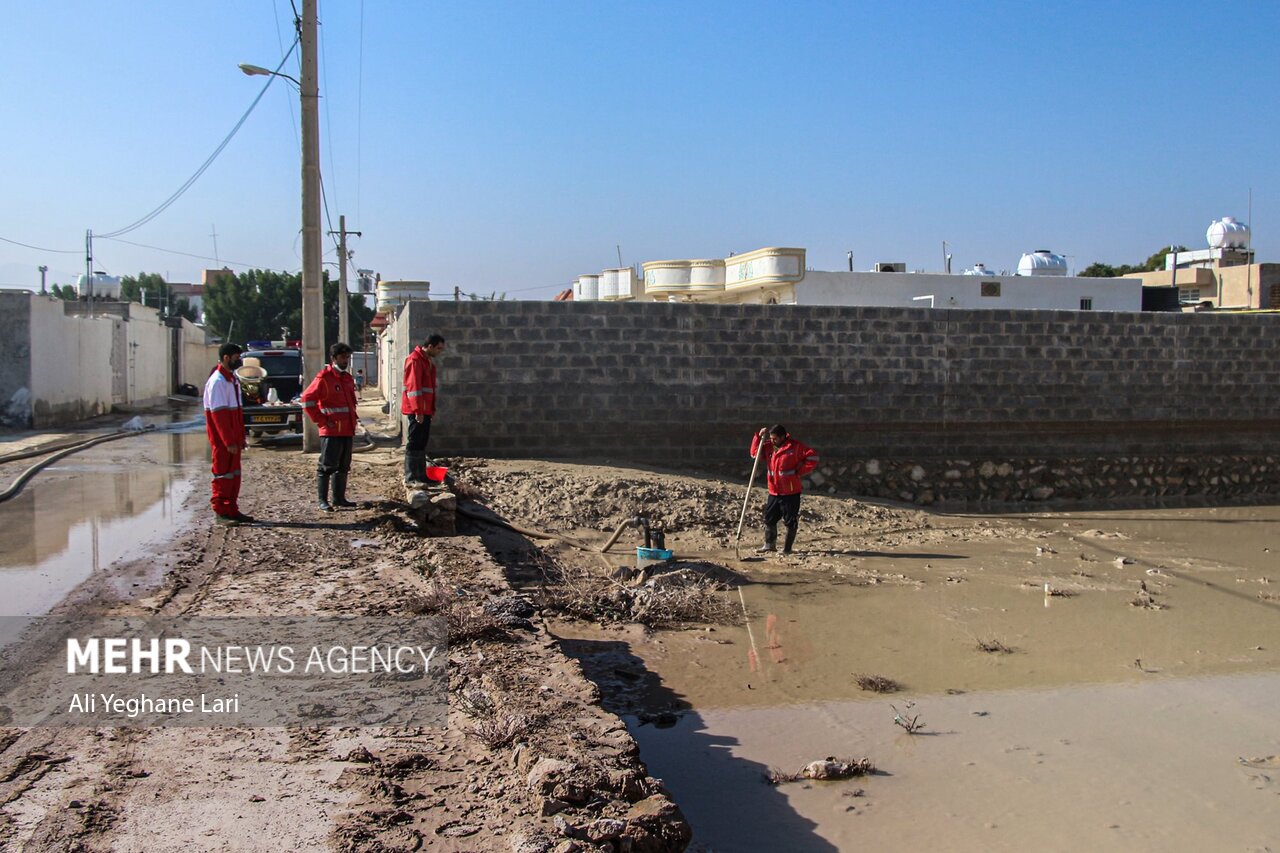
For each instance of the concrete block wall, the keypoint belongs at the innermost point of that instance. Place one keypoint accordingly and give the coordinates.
(15, 367)
(668, 384)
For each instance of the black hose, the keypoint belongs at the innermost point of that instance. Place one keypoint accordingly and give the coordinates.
(16, 486)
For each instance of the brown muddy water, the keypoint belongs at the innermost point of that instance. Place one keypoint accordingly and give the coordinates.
(1137, 710)
(91, 510)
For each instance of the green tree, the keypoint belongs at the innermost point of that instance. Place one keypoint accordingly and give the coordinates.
(261, 303)
(64, 292)
(1154, 262)
(151, 289)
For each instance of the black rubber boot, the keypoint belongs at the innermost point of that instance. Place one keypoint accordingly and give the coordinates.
(340, 491)
(770, 539)
(322, 487)
(789, 541)
(415, 468)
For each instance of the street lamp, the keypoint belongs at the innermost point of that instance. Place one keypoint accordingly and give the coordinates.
(312, 294)
(259, 71)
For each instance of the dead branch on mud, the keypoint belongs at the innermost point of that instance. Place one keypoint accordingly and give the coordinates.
(465, 619)
(876, 683)
(664, 600)
(993, 646)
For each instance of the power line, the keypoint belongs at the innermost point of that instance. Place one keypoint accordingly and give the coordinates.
(42, 248)
(207, 163)
(328, 114)
(360, 115)
(186, 254)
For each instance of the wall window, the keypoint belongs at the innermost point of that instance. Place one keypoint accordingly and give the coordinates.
(1188, 294)
(990, 288)
(1086, 303)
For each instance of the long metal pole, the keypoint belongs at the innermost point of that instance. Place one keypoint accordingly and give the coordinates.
(312, 289)
(755, 466)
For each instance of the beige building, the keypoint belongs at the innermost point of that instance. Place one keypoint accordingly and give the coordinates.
(1239, 286)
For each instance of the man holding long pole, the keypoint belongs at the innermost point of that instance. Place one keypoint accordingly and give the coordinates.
(787, 460)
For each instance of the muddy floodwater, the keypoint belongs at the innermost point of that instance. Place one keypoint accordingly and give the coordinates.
(1128, 697)
(91, 510)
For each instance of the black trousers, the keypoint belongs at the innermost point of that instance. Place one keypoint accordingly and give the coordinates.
(335, 455)
(419, 433)
(785, 507)
(415, 448)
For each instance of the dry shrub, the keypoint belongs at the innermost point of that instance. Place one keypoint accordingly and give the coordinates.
(877, 683)
(993, 646)
(503, 730)
(466, 620)
(672, 599)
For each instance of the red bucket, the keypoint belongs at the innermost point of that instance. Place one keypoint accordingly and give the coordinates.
(436, 474)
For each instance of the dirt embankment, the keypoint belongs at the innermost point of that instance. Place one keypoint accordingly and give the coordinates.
(528, 762)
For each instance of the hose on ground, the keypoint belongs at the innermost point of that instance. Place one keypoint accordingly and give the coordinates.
(16, 486)
(532, 534)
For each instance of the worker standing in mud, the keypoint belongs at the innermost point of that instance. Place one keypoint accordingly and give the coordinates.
(418, 403)
(786, 461)
(330, 401)
(224, 425)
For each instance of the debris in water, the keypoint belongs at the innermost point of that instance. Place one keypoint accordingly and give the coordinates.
(911, 724)
(994, 646)
(828, 769)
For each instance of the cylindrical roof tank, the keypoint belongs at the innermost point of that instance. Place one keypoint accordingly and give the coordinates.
(586, 288)
(1042, 262)
(610, 283)
(1226, 233)
(392, 294)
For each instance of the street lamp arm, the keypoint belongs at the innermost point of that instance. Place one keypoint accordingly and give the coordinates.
(259, 71)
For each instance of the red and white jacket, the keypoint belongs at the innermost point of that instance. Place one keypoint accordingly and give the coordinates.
(786, 464)
(419, 395)
(223, 416)
(330, 401)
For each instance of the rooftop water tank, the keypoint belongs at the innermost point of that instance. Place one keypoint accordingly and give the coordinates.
(1226, 233)
(979, 269)
(393, 294)
(104, 286)
(684, 278)
(586, 288)
(1042, 262)
(617, 283)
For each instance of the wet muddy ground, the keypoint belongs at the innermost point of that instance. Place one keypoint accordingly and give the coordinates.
(1132, 706)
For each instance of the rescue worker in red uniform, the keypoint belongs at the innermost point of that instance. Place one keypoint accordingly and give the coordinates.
(330, 401)
(418, 403)
(224, 424)
(786, 460)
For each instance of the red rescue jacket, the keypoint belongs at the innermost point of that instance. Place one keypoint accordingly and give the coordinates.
(223, 415)
(419, 395)
(786, 464)
(330, 401)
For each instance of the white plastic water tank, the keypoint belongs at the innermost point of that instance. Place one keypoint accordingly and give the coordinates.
(104, 286)
(393, 294)
(586, 288)
(1042, 262)
(609, 285)
(979, 269)
(1226, 233)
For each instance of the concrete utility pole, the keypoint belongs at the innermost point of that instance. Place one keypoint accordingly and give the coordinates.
(343, 308)
(312, 289)
(43, 269)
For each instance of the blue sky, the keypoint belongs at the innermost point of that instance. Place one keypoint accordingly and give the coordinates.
(512, 146)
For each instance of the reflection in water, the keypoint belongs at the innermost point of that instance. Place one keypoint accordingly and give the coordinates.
(90, 510)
